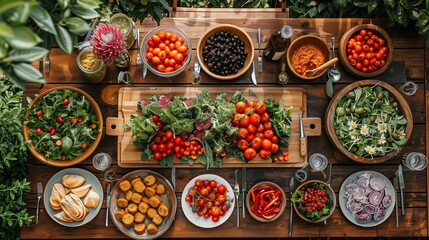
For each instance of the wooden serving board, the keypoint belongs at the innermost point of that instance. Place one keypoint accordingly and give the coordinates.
(129, 156)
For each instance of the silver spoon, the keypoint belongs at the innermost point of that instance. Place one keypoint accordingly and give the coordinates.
(283, 77)
(334, 75)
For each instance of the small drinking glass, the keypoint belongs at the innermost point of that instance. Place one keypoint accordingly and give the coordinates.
(415, 161)
(101, 161)
(318, 162)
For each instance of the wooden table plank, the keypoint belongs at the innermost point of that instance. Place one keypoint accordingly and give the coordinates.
(408, 48)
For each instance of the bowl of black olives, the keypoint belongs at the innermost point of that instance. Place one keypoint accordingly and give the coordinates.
(225, 52)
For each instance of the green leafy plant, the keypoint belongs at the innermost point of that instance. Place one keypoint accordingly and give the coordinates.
(226, 3)
(28, 28)
(138, 10)
(400, 13)
(13, 158)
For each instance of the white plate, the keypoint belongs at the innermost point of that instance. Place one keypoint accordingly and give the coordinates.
(201, 221)
(90, 179)
(342, 196)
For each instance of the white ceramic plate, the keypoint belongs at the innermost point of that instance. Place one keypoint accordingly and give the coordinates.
(201, 221)
(342, 198)
(90, 179)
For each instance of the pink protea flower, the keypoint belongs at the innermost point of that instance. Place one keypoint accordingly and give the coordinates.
(107, 42)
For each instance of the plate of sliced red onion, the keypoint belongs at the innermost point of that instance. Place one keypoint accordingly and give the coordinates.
(367, 198)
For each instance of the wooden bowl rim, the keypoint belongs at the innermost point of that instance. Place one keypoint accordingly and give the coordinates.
(250, 55)
(289, 55)
(284, 200)
(332, 195)
(330, 112)
(88, 152)
(343, 55)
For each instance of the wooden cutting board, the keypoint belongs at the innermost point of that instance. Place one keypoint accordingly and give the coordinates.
(129, 156)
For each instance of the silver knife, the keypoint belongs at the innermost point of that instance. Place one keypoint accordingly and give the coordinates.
(107, 204)
(328, 181)
(401, 187)
(253, 74)
(237, 193)
(291, 189)
(196, 78)
(302, 139)
(244, 188)
(396, 186)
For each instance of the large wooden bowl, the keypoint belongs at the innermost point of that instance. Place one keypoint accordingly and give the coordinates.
(404, 109)
(242, 35)
(303, 40)
(343, 50)
(89, 150)
(330, 193)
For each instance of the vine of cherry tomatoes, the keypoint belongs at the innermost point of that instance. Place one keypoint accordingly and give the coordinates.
(367, 51)
(166, 144)
(167, 51)
(208, 199)
(255, 131)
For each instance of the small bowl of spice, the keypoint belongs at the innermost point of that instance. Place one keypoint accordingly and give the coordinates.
(306, 53)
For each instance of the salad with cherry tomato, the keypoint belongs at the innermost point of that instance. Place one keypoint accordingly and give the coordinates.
(312, 200)
(208, 199)
(62, 125)
(266, 201)
(367, 51)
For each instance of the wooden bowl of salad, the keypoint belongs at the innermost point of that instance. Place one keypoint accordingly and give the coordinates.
(63, 126)
(310, 192)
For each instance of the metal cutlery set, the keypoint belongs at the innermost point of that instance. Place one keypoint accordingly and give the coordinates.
(399, 185)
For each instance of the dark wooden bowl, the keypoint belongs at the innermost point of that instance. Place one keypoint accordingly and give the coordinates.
(248, 47)
(88, 152)
(308, 39)
(343, 50)
(329, 191)
(404, 109)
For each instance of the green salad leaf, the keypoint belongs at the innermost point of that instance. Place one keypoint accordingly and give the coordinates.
(62, 124)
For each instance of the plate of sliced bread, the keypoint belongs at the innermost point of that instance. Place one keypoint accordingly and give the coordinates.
(73, 197)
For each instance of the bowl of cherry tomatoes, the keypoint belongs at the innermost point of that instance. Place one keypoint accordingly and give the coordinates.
(166, 51)
(366, 50)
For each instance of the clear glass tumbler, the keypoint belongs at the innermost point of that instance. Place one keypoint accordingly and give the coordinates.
(415, 161)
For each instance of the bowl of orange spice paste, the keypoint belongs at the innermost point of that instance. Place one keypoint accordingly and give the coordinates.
(306, 53)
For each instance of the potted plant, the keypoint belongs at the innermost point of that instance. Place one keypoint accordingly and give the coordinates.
(106, 44)
(123, 62)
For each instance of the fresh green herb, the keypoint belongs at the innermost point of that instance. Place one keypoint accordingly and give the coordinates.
(368, 123)
(62, 125)
(13, 158)
(281, 119)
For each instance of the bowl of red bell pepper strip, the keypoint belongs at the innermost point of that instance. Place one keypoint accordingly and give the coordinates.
(266, 201)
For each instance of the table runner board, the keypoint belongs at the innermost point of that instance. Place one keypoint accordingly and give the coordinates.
(129, 156)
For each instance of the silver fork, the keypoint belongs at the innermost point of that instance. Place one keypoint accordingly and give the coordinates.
(39, 196)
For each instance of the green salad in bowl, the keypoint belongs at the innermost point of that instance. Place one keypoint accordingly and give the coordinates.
(314, 201)
(63, 126)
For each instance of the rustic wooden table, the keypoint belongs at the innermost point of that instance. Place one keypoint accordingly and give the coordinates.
(409, 50)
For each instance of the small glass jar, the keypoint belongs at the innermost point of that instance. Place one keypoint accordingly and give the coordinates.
(123, 63)
(126, 25)
(92, 68)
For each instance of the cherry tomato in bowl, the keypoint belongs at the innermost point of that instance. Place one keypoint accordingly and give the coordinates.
(166, 51)
(366, 50)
